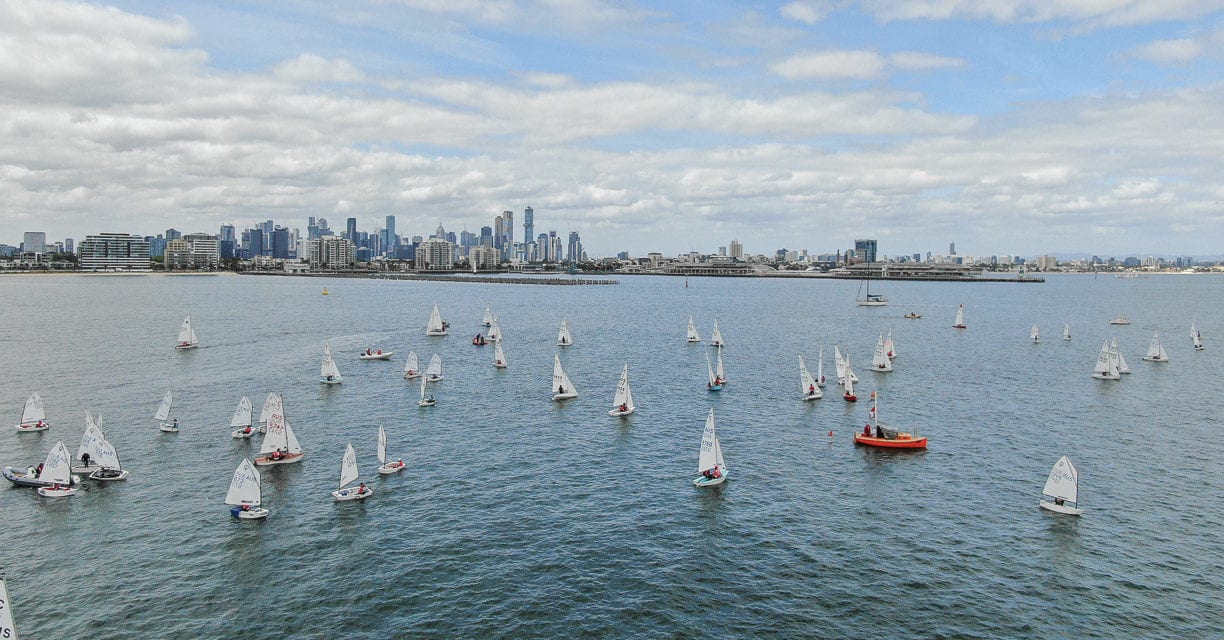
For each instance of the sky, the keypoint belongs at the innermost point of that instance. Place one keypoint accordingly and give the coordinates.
(1010, 127)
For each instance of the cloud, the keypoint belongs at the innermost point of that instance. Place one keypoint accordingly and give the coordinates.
(1097, 13)
(917, 61)
(1181, 50)
(805, 11)
(312, 68)
(845, 64)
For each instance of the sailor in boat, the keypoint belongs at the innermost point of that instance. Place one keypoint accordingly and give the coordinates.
(330, 377)
(1058, 501)
(279, 453)
(560, 388)
(623, 408)
(175, 425)
(368, 353)
(246, 507)
(38, 470)
(41, 424)
(362, 490)
(811, 388)
(247, 429)
(711, 474)
(107, 472)
(867, 430)
(85, 459)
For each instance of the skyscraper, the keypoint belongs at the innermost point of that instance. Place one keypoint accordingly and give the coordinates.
(865, 249)
(34, 242)
(574, 248)
(508, 239)
(499, 232)
(351, 230)
(528, 224)
(951, 248)
(737, 250)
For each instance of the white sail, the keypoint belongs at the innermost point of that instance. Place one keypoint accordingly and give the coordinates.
(411, 366)
(850, 377)
(820, 379)
(488, 316)
(839, 364)
(890, 349)
(33, 411)
(1117, 357)
(718, 369)
(1066, 331)
(807, 384)
(1035, 334)
(561, 384)
(163, 410)
(499, 356)
(57, 468)
(187, 335)
(275, 436)
(424, 382)
(1194, 335)
(693, 336)
(716, 339)
(960, 316)
(242, 415)
(1063, 481)
(8, 628)
(563, 336)
(880, 361)
(328, 371)
(382, 445)
(710, 370)
(244, 488)
(624, 396)
(1102, 363)
(268, 405)
(435, 327)
(89, 441)
(348, 466)
(435, 368)
(291, 441)
(495, 332)
(105, 455)
(710, 455)
(1156, 351)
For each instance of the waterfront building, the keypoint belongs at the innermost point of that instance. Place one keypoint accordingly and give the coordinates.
(34, 242)
(486, 258)
(435, 253)
(865, 250)
(574, 248)
(330, 252)
(737, 250)
(173, 234)
(528, 224)
(193, 251)
(114, 252)
(280, 243)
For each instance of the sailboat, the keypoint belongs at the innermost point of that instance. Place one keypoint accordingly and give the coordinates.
(87, 453)
(499, 356)
(561, 382)
(411, 367)
(8, 628)
(849, 396)
(718, 368)
(710, 462)
(33, 417)
(960, 318)
(426, 402)
(564, 339)
(1063, 486)
(348, 473)
(488, 317)
(807, 384)
(716, 339)
(622, 404)
(713, 383)
(839, 364)
(1120, 320)
(1066, 331)
(1194, 335)
(436, 326)
(870, 299)
(187, 338)
(495, 332)
(434, 372)
(279, 445)
(163, 414)
(1106, 366)
(246, 493)
(1035, 334)
(1156, 351)
(31, 477)
(883, 436)
(693, 336)
(385, 467)
(820, 378)
(329, 373)
(1117, 356)
(375, 354)
(108, 459)
(242, 419)
(879, 360)
(890, 349)
(57, 472)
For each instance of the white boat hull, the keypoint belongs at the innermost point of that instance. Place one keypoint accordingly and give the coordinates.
(392, 467)
(243, 433)
(33, 427)
(694, 340)
(84, 470)
(332, 381)
(168, 428)
(351, 493)
(97, 475)
(709, 482)
(184, 347)
(62, 492)
(255, 513)
(436, 334)
(426, 403)
(618, 412)
(1061, 508)
(1155, 359)
(1106, 376)
(436, 378)
(813, 396)
(564, 396)
(872, 303)
(412, 376)
(499, 365)
(376, 356)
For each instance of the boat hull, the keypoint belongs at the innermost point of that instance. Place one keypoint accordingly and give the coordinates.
(426, 403)
(714, 387)
(84, 470)
(266, 460)
(872, 303)
(618, 412)
(564, 396)
(169, 428)
(694, 340)
(392, 467)
(436, 334)
(98, 475)
(960, 326)
(813, 396)
(184, 347)
(1061, 508)
(411, 376)
(332, 381)
(1106, 376)
(351, 493)
(48, 492)
(376, 356)
(499, 365)
(849, 397)
(709, 482)
(256, 513)
(902, 442)
(1155, 359)
(242, 434)
(22, 480)
(32, 427)
(436, 378)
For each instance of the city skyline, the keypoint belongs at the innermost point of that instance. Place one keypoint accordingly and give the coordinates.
(1016, 128)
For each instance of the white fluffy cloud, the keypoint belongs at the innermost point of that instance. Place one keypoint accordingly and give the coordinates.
(1095, 12)
(842, 64)
(1182, 50)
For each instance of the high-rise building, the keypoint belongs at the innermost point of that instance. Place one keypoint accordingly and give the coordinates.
(951, 248)
(486, 236)
(280, 243)
(351, 230)
(253, 244)
(737, 250)
(865, 250)
(434, 253)
(173, 234)
(69, 245)
(573, 251)
(392, 239)
(227, 233)
(330, 252)
(484, 258)
(528, 224)
(193, 251)
(542, 247)
(508, 239)
(499, 233)
(114, 252)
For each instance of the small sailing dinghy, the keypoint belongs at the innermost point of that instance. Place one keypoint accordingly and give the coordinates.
(329, 373)
(33, 417)
(279, 445)
(1194, 335)
(495, 332)
(564, 339)
(882, 436)
(912, 316)
(622, 404)
(57, 473)
(242, 419)
(879, 360)
(890, 349)
(960, 318)
(807, 384)
(561, 382)
(499, 356)
(166, 423)
(426, 402)
(8, 628)
(1035, 335)
(187, 338)
(840, 364)
(716, 339)
(412, 369)
(820, 377)
(1106, 366)
(348, 473)
(384, 467)
(1156, 350)
(1063, 486)
(87, 453)
(1117, 356)
(375, 354)
(710, 462)
(246, 493)
(108, 459)
(693, 336)
(488, 317)
(434, 372)
(849, 396)
(436, 326)
(713, 382)
(1066, 331)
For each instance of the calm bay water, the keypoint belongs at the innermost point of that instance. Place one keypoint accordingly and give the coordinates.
(521, 517)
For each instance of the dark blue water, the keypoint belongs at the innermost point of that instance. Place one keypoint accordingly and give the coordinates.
(521, 517)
